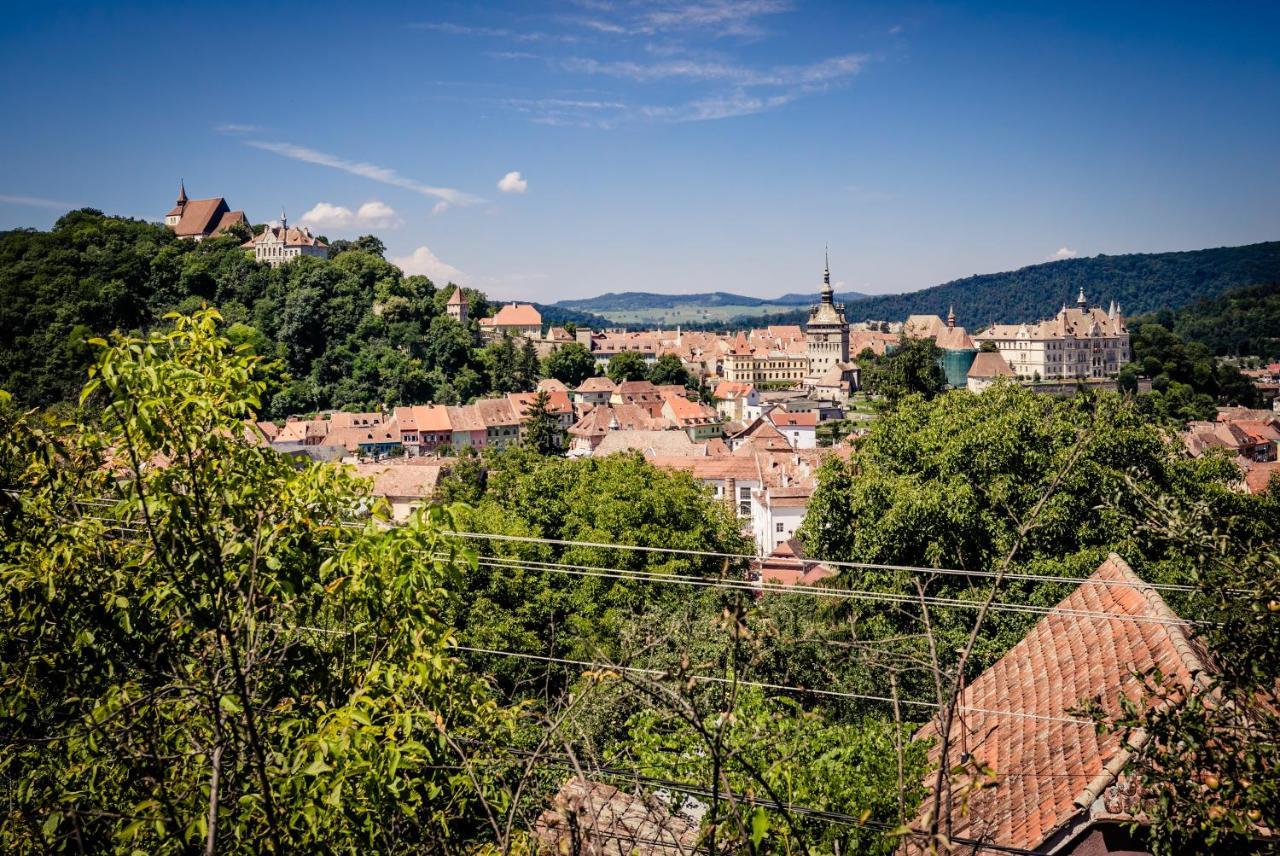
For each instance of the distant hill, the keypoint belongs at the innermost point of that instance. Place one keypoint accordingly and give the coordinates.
(1140, 282)
(713, 308)
(557, 316)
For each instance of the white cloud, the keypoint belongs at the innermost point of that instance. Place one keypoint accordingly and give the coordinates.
(455, 29)
(440, 207)
(423, 261)
(719, 17)
(379, 214)
(236, 128)
(512, 182)
(1063, 253)
(36, 202)
(365, 170)
(372, 214)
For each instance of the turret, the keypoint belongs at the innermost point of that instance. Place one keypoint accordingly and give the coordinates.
(1081, 301)
(951, 318)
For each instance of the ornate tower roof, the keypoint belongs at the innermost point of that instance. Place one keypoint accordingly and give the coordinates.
(182, 192)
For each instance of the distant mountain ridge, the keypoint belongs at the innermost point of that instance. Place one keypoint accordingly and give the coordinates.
(1139, 282)
(639, 300)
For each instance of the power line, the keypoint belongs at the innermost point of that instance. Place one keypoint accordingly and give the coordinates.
(712, 554)
(499, 562)
(915, 569)
(716, 679)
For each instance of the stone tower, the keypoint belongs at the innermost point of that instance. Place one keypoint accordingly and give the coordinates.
(457, 305)
(827, 332)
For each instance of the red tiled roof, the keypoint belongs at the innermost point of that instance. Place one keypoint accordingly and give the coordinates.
(292, 237)
(601, 820)
(596, 384)
(456, 299)
(465, 417)
(1050, 770)
(496, 412)
(1257, 476)
(517, 315)
(401, 479)
(989, 364)
(786, 419)
(201, 217)
(729, 389)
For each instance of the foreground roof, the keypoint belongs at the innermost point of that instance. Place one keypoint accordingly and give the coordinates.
(1055, 773)
(595, 819)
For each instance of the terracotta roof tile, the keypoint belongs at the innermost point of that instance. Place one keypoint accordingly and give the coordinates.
(1050, 770)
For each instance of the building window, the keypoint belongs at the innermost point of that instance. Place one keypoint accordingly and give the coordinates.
(778, 527)
(744, 493)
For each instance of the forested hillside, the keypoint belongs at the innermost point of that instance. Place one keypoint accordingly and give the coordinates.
(1140, 282)
(348, 331)
(1244, 322)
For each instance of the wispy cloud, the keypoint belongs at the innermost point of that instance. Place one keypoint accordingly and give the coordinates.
(1063, 253)
(455, 29)
(833, 68)
(373, 172)
(723, 106)
(236, 128)
(36, 202)
(739, 18)
(370, 215)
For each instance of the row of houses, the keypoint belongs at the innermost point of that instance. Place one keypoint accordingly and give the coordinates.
(1251, 436)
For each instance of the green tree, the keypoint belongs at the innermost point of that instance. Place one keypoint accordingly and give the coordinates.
(625, 366)
(668, 369)
(529, 366)
(914, 368)
(542, 432)
(197, 654)
(570, 364)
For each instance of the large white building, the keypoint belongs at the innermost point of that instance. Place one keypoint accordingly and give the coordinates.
(276, 245)
(1078, 342)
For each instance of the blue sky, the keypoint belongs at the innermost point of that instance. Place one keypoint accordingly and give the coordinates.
(664, 146)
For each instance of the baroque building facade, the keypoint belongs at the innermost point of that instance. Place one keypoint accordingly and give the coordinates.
(1078, 342)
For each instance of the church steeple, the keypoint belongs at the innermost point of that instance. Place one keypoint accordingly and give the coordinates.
(284, 221)
(827, 294)
(951, 316)
(1081, 301)
(182, 193)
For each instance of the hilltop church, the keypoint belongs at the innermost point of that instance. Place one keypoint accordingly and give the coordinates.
(197, 219)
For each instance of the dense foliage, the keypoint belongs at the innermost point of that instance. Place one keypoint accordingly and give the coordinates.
(348, 332)
(197, 655)
(950, 483)
(1187, 381)
(913, 368)
(1244, 322)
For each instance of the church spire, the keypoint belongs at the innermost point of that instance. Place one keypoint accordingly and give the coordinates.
(951, 316)
(182, 193)
(826, 275)
(284, 221)
(1081, 301)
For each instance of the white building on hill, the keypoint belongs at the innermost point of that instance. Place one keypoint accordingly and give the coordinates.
(1079, 342)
